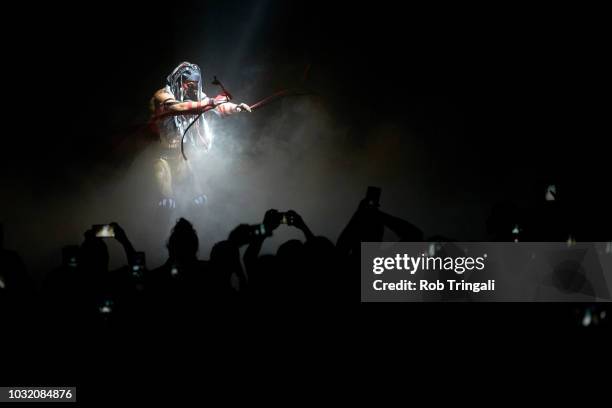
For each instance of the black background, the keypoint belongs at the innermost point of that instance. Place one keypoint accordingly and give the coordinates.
(492, 84)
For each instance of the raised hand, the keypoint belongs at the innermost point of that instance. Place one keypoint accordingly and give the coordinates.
(296, 220)
(243, 107)
(272, 220)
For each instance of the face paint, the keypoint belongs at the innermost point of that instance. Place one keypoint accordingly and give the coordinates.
(190, 90)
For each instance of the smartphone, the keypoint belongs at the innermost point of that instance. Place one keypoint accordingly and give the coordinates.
(104, 231)
(138, 263)
(258, 230)
(284, 219)
(373, 196)
(106, 307)
(70, 256)
(551, 192)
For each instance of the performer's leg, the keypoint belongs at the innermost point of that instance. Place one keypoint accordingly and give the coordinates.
(191, 181)
(163, 176)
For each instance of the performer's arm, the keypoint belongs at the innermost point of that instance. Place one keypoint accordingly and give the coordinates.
(167, 105)
(226, 108)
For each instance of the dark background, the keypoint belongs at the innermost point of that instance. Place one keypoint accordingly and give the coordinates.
(502, 99)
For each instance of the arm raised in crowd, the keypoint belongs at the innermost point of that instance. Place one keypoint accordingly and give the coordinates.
(271, 221)
(296, 220)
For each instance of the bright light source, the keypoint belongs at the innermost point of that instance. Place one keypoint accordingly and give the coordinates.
(551, 192)
(586, 320)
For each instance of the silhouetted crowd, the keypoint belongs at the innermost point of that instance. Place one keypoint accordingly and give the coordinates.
(84, 289)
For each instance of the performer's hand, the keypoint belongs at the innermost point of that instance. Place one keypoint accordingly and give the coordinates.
(243, 107)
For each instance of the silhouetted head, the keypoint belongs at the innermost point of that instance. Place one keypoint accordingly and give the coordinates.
(320, 254)
(183, 242)
(320, 248)
(290, 257)
(291, 250)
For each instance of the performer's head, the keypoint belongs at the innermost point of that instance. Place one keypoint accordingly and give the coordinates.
(190, 82)
(185, 82)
